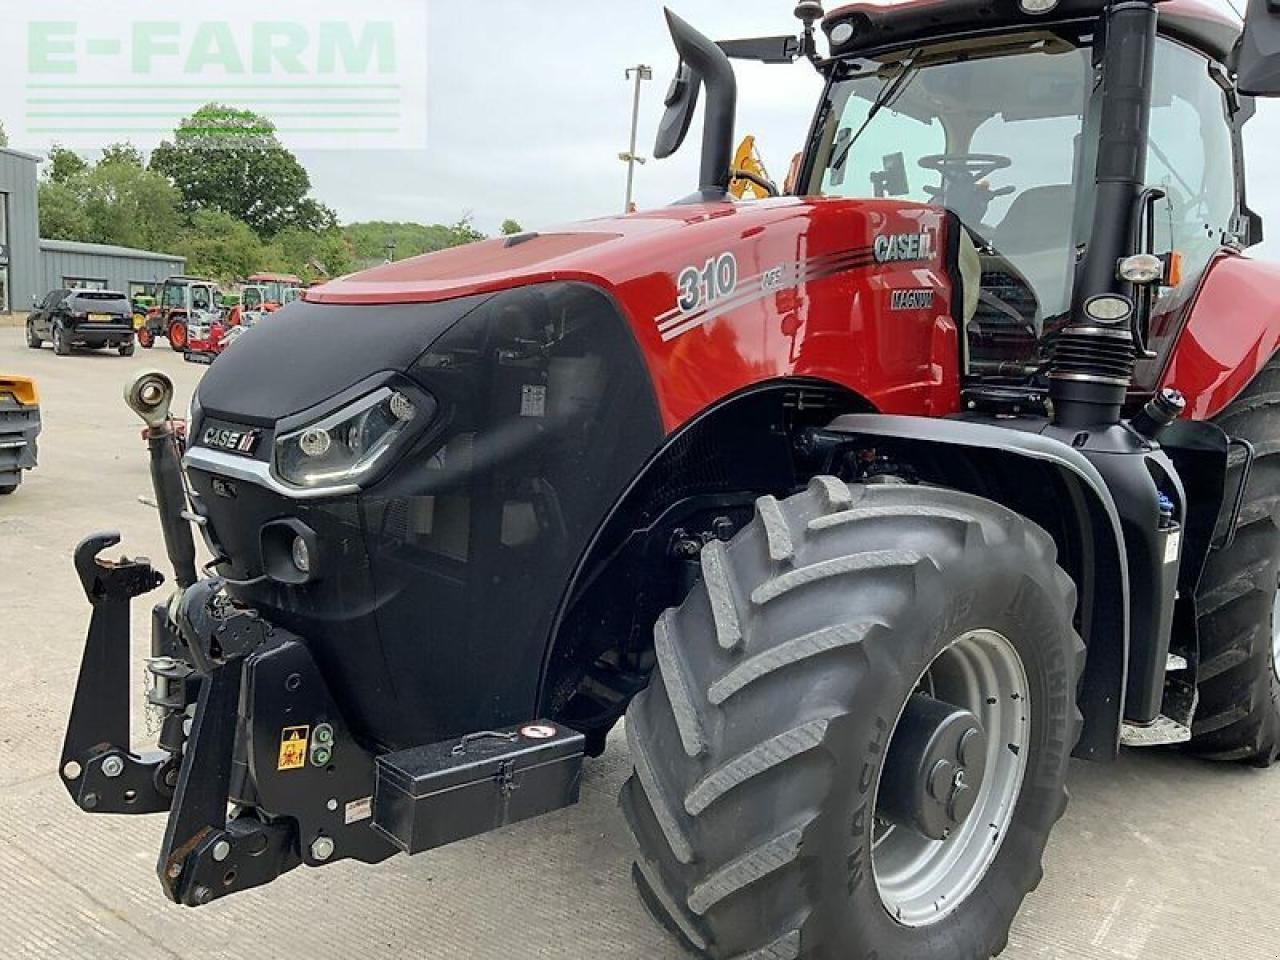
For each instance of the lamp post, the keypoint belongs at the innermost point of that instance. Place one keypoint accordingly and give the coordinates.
(641, 73)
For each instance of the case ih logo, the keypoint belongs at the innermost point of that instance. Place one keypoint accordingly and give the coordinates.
(904, 247)
(233, 441)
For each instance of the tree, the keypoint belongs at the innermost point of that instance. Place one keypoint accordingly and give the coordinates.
(230, 160)
(369, 241)
(510, 228)
(114, 202)
(123, 152)
(65, 164)
(464, 231)
(220, 247)
(311, 254)
(4, 137)
(62, 215)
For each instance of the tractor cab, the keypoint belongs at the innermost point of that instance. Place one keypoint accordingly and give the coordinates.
(1001, 130)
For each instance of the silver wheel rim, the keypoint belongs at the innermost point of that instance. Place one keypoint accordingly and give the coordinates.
(920, 880)
(1275, 634)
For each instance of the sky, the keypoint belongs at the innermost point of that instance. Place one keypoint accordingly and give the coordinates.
(528, 108)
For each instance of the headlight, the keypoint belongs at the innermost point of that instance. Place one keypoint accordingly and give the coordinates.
(347, 446)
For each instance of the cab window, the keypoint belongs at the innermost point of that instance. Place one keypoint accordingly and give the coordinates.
(1191, 158)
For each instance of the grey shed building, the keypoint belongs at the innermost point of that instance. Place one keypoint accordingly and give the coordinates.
(19, 231)
(67, 265)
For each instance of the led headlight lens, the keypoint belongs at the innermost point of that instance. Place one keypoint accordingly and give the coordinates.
(1109, 308)
(347, 446)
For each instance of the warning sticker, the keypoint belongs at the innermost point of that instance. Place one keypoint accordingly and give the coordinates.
(293, 748)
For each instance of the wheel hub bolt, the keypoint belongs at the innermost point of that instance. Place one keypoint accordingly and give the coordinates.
(221, 850)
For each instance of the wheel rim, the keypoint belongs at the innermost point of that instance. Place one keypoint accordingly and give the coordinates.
(178, 336)
(1275, 633)
(921, 880)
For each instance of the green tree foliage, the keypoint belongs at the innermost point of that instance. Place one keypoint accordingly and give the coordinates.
(311, 254)
(62, 213)
(64, 164)
(510, 228)
(124, 152)
(369, 240)
(231, 160)
(115, 202)
(220, 247)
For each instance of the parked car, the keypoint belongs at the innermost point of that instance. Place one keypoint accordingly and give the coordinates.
(82, 318)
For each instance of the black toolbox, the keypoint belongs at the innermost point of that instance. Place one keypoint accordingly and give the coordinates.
(429, 796)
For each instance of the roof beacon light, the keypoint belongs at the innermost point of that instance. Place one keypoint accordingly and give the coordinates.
(842, 33)
(1038, 7)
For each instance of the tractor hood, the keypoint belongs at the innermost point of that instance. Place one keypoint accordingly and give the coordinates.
(609, 252)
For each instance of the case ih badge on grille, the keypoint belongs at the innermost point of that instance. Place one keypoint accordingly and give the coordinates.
(232, 441)
(856, 503)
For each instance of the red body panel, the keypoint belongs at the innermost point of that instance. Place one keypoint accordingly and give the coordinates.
(810, 298)
(1223, 335)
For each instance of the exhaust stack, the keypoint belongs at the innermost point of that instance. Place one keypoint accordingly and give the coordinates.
(702, 62)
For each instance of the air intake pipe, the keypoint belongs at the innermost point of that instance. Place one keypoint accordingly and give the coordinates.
(1093, 356)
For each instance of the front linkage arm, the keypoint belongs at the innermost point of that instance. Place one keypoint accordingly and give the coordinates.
(264, 735)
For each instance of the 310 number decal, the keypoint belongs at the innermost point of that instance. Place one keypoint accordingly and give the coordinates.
(702, 286)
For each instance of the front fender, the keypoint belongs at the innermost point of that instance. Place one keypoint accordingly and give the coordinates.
(1055, 486)
(1230, 331)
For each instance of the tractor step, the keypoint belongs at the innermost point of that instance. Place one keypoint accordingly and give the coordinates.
(429, 796)
(1173, 725)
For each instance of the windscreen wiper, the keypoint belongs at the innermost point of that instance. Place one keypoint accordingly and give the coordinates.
(892, 89)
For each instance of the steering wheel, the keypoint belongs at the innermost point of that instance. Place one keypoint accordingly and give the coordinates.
(962, 185)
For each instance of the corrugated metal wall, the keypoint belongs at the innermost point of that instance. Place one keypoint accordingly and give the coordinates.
(18, 184)
(58, 267)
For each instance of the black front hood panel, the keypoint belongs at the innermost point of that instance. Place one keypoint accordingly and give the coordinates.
(307, 353)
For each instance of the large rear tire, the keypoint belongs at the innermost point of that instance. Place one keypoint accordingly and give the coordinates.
(782, 684)
(1239, 598)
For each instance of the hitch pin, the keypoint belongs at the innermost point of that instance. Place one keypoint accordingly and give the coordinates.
(187, 515)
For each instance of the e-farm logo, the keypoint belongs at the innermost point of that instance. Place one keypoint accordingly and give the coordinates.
(326, 74)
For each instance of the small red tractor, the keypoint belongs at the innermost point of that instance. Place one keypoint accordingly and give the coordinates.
(186, 306)
(264, 293)
(867, 505)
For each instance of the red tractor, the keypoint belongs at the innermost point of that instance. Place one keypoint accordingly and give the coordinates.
(867, 506)
(265, 293)
(185, 305)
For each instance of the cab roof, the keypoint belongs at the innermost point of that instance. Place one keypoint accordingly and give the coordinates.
(878, 24)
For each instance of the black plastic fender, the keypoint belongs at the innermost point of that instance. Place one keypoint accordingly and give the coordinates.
(1057, 487)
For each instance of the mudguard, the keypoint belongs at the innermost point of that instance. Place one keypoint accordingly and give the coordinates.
(1216, 343)
(1057, 487)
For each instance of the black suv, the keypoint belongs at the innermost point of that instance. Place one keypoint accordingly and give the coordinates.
(82, 318)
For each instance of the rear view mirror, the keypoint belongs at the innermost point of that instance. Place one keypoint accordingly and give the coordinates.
(1258, 66)
(681, 103)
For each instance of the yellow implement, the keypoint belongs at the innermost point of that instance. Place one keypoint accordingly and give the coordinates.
(22, 389)
(748, 160)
